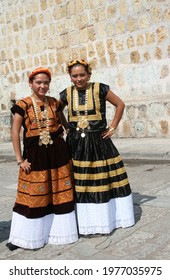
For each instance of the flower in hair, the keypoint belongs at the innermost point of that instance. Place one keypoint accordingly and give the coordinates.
(82, 62)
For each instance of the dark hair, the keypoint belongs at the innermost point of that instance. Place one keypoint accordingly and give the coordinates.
(79, 62)
(39, 70)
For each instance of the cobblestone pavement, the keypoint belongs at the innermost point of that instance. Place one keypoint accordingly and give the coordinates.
(149, 238)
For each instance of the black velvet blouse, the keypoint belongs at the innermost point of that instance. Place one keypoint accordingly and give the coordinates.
(96, 106)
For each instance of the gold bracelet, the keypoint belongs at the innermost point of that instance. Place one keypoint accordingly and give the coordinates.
(19, 162)
(111, 129)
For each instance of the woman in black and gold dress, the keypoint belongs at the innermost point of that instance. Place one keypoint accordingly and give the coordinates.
(103, 194)
(44, 207)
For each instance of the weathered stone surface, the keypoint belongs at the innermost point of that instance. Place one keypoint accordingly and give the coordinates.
(119, 38)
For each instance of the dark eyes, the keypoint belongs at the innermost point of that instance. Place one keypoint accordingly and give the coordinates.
(45, 83)
(81, 75)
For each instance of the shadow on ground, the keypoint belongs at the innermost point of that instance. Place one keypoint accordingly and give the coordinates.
(4, 230)
(139, 199)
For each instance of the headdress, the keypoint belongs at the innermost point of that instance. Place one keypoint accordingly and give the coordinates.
(38, 71)
(82, 62)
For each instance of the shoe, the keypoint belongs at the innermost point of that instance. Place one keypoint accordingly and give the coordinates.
(11, 246)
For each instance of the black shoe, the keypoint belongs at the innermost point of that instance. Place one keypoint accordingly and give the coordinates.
(12, 247)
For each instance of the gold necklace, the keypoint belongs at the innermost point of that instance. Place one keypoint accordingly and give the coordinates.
(44, 136)
(82, 119)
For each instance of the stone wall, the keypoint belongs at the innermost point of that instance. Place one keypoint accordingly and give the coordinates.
(126, 41)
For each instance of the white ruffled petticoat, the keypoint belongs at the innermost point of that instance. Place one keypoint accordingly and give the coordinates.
(103, 218)
(50, 229)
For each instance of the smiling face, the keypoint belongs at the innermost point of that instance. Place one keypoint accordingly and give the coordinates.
(40, 85)
(79, 76)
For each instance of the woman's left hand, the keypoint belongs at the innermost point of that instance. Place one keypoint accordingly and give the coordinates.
(108, 132)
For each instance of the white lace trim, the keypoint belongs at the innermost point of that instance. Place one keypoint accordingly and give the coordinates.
(35, 233)
(103, 218)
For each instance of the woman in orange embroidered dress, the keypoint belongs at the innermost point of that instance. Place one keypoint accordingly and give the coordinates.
(44, 208)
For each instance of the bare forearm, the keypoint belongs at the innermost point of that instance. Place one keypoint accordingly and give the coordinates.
(118, 115)
(17, 146)
(119, 108)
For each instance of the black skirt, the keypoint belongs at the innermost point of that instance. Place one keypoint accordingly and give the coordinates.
(48, 187)
(99, 172)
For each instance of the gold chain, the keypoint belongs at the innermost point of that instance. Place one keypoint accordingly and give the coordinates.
(82, 119)
(44, 136)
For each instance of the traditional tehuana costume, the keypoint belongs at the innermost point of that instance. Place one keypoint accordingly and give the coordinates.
(103, 194)
(44, 208)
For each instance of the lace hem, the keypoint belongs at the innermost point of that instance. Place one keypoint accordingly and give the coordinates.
(35, 233)
(103, 218)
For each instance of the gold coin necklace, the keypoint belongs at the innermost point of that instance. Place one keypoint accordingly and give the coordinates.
(44, 135)
(82, 119)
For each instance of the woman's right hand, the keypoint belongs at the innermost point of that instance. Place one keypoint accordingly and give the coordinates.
(26, 166)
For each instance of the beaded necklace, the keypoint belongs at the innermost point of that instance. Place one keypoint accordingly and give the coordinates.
(44, 136)
(82, 119)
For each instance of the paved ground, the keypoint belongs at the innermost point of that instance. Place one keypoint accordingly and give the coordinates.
(149, 238)
(129, 148)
